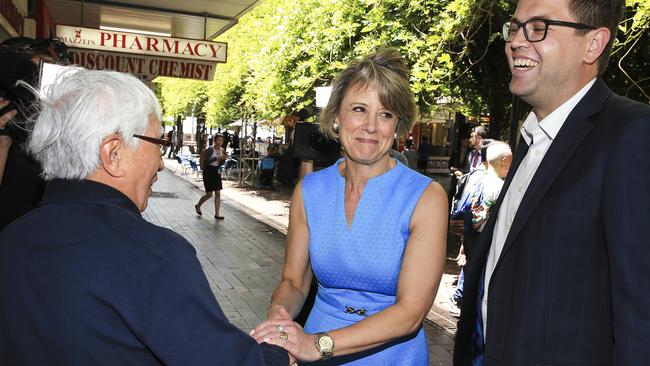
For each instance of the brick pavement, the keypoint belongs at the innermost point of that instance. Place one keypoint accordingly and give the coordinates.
(242, 256)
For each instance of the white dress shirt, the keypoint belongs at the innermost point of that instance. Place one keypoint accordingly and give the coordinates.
(538, 136)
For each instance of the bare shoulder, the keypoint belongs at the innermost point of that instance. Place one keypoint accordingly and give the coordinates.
(431, 207)
(434, 195)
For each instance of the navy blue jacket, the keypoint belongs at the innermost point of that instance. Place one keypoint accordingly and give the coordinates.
(85, 280)
(572, 283)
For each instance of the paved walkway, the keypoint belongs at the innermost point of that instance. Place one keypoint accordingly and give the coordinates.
(242, 256)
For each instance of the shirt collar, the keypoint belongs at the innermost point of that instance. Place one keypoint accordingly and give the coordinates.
(86, 191)
(553, 122)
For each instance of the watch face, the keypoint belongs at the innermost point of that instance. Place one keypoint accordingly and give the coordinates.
(325, 342)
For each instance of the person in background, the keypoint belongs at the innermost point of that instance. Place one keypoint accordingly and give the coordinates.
(378, 260)
(398, 156)
(85, 278)
(499, 158)
(482, 192)
(226, 140)
(460, 221)
(410, 154)
(473, 158)
(5, 137)
(211, 160)
(424, 151)
(21, 186)
(170, 138)
(560, 274)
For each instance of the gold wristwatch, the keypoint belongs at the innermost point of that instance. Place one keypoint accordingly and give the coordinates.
(325, 345)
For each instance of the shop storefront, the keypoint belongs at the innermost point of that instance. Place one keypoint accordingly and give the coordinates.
(434, 129)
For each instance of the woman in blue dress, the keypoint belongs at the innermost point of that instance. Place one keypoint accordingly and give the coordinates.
(372, 231)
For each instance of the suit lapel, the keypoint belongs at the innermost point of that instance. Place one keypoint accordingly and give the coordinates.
(573, 131)
(520, 153)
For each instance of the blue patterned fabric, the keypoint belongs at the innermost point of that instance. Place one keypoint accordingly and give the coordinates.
(358, 267)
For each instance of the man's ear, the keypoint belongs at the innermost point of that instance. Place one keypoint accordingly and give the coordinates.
(598, 40)
(109, 154)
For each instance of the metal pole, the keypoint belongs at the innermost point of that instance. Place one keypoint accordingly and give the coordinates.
(205, 26)
(253, 153)
(242, 152)
(514, 112)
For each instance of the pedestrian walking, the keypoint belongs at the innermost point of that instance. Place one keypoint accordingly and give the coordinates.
(211, 160)
(170, 138)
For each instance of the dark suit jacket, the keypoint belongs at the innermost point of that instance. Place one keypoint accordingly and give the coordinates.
(85, 280)
(572, 284)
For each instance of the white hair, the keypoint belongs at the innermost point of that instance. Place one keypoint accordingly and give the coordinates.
(496, 151)
(79, 110)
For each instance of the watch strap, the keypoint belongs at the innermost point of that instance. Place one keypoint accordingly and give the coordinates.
(324, 352)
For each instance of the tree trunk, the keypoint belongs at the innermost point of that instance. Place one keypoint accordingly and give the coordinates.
(179, 135)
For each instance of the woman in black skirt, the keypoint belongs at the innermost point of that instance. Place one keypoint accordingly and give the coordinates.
(210, 160)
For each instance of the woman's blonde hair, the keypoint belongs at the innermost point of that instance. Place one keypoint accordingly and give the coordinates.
(387, 73)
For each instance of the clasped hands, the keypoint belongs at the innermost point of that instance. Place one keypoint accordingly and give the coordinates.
(280, 330)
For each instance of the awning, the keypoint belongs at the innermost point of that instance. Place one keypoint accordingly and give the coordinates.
(193, 19)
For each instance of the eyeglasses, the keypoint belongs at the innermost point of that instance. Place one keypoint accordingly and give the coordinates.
(535, 29)
(154, 140)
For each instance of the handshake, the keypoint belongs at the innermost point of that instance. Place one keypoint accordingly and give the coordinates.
(280, 330)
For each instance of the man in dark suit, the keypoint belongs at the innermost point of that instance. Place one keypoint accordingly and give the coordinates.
(473, 158)
(85, 280)
(560, 273)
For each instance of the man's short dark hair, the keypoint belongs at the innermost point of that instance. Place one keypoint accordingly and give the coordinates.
(599, 13)
(484, 146)
(44, 48)
(480, 131)
(16, 67)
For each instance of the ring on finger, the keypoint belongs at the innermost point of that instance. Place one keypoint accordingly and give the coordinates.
(284, 335)
(279, 328)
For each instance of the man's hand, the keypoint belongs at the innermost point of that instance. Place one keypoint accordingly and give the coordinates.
(5, 118)
(461, 260)
(456, 172)
(5, 141)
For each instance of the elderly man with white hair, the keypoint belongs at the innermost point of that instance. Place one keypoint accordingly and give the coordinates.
(479, 195)
(499, 157)
(85, 280)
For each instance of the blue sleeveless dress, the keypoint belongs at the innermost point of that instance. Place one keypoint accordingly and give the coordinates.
(357, 267)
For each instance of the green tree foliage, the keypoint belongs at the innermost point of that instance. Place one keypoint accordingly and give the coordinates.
(282, 49)
(628, 69)
(277, 55)
(181, 97)
(467, 37)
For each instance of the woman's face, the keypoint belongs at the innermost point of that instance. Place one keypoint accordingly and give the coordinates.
(218, 141)
(366, 127)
